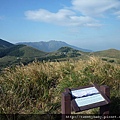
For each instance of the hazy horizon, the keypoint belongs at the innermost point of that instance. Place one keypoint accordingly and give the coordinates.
(60, 41)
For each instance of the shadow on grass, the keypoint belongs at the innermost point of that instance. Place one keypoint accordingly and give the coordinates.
(115, 105)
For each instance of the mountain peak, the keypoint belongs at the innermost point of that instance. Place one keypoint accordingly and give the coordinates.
(52, 45)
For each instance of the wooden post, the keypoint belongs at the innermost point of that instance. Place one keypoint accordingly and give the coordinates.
(104, 110)
(66, 105)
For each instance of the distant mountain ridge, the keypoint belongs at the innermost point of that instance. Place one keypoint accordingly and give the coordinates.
(11, 54)
(52, 45)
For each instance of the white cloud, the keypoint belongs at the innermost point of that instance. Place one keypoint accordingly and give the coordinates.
(95, 7)
(81, 13)
(63, 17)
(46, 16)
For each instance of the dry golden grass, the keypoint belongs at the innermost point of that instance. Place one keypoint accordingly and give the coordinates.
(37, 87)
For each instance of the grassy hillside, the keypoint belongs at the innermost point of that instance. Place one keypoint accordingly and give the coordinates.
(112, 53)
(25, 54)
(19, 53)
(37, 87)
(65, 52)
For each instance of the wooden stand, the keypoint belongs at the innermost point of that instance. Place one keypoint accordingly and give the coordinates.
(104, 110)
(66, 105)
(67, 98)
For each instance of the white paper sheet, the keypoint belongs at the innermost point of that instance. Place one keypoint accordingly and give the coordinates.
(89, 100)
(84, 92)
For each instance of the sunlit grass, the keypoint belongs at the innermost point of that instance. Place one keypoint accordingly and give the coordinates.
(37, 87)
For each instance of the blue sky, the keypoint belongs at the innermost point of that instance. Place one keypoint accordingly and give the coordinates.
(90, 24)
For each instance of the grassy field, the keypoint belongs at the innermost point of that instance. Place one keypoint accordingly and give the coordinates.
(36, 88)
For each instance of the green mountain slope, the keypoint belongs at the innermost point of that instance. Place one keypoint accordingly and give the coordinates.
(19, 54)
(25, 54)
(111, 53)
(21, 51)
(4, 44)
(65, 53)
(69, 52)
